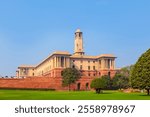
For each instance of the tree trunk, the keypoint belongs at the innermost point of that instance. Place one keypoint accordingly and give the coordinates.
(98, 90)
(147, 91)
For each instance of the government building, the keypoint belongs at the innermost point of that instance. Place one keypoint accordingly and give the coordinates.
(89, 66)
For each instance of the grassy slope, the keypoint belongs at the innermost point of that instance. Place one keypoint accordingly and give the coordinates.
(80, 95)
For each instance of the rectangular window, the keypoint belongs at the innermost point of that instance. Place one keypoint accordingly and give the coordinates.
(93, 61)
(89, 74)
(88, 67)
(93, 67)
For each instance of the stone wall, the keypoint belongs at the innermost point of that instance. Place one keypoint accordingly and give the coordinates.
(44, 83)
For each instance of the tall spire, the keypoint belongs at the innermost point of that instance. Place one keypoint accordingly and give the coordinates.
(78, 49)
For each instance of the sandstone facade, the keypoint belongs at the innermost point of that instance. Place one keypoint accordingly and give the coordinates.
(51, 67)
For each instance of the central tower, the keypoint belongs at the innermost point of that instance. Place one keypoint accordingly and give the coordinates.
(78, 49)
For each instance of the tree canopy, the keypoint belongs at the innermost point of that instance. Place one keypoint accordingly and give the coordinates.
(120, 81)
(98, 84)
(140, 76)
(126, 71)
(69, 76)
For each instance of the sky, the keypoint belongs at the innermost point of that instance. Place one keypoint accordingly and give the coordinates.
(30, 30)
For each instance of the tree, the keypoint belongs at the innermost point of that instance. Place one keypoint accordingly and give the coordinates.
(108, 81)
(98, 84)
(140, 76)
(126, 71)
(69, 76)
(120, 81)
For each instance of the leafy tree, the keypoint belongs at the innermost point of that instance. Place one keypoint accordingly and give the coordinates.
(120, 81)
(98, 84)
(108, 81)
(126, 71)
(69, 76)
(140, 76)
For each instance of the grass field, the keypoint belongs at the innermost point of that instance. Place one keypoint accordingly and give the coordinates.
(65, 95)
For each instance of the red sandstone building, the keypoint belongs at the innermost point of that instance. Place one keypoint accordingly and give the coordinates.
(51, 67)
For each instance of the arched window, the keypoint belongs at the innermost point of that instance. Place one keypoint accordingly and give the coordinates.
(99, 73)
(78, 86)
(87, 86)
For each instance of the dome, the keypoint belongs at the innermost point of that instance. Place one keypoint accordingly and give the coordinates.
(78, 30)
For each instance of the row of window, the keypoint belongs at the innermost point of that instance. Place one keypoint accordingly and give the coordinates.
(81, 67)
(86, 86)
(89, 67)
(82, 61)
(89, 74)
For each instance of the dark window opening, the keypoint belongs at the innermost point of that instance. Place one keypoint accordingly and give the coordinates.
(88, 67)
(87, 86)
(62, 61)
(61, 73)
(93, 67)
(79, 34)
(78, 86)
(99, 73)
(109, 74)
(100, 63)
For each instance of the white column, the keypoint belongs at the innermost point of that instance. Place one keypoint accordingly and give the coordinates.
(67, 62)
(103, 64)
(53, 63)
(106, 63)
(110, 61)
(57, 62)
(114, 64)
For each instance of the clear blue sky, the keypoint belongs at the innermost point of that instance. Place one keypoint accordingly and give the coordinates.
(32, 29)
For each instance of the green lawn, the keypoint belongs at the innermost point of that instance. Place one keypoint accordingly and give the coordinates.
(65, 95)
